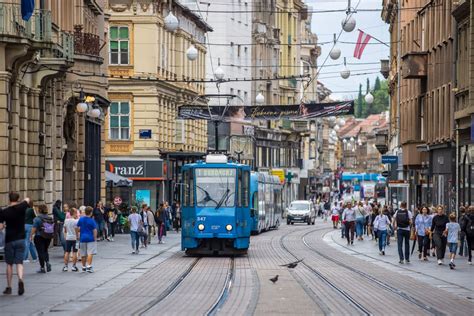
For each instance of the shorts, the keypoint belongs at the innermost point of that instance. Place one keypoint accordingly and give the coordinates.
(15, 252)
(71, 246)
(89, 248)
(453, 247)
(335, 218)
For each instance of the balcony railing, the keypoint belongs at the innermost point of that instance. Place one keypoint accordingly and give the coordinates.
(38, 28)
(86, 43)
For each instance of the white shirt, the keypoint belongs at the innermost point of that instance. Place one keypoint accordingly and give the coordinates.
(134, 220)
(381, 222)
(70, 225)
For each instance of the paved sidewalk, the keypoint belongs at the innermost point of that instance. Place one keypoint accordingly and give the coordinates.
(459, 281)
(63, 292)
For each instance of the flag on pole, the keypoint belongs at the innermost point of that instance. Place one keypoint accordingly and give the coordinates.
(27, 8)
(362, 42)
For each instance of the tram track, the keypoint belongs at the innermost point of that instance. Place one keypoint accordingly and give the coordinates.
(363, 310)
(376, 281)
(215, 308)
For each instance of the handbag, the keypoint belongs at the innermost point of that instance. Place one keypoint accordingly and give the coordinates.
(412, 235)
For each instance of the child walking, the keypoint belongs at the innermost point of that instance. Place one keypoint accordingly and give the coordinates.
(452, 230)
(87, 228)
(70, 225)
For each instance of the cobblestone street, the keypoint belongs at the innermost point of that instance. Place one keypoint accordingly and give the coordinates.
(332, 280)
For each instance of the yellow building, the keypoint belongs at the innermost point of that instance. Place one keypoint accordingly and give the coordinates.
(144, 141)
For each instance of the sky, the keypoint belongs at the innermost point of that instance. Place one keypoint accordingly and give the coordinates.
(326, 24)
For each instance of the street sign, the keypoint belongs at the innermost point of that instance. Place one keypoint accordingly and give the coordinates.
(117, 200)
(389, 159)
(385, 173)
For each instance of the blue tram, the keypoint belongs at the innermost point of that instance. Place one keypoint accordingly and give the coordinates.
(266, 201)
(216, 217)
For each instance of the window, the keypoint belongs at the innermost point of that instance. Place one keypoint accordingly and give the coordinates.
(245, 189)
(119, 121)
(119, 45)
(179, 132)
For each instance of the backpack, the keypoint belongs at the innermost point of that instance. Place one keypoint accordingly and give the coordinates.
(403, 220)
(47, 228)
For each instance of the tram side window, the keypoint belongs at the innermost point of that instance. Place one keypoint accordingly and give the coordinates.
(188, 188)
(244, 182)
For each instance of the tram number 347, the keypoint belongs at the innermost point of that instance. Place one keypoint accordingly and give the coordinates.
(201, 218)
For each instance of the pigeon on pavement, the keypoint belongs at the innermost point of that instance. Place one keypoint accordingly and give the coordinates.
(274, 279)
(291, 265)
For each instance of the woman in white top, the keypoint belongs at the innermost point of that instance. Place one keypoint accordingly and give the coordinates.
(381, 224)
(349, 221)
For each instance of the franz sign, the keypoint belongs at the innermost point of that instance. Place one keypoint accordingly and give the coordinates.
(136, 169)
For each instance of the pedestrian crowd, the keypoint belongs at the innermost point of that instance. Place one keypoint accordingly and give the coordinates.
(30, 229)
(429, 227)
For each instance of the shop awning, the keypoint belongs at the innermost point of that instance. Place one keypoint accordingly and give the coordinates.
(117, 180)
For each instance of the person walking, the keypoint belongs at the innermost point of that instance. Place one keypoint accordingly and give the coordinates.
(452, 231)
(70, 225)
(160, 218)
(87, 228)
(29, 246)
(135, 222)
(144, 230)
(151, 224)
(13, 217)
(42, 233)
(177, 217)
(112, 215)
(438, 228)
(335, 216)
(343, 224)
(422, 230)
(462, 234)
(348, 216)
(360, 217)
(468, 229)
(59, 216)
(98, 214)
(402, 221)
(381, 224)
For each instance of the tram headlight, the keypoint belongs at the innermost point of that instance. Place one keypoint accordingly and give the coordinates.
(228, 227)
(201, 227)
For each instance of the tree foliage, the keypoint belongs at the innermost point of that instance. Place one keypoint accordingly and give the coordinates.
(381, 99)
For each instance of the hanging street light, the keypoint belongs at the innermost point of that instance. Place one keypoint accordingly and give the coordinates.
(171, 22)
(345, 73)
(348, 23)
(192, 53)
(82, 106)
(335, 52)
(369, 98)
(260, 99)
(94, 113)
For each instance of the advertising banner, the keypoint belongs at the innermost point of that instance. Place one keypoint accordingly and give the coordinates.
(302, 111)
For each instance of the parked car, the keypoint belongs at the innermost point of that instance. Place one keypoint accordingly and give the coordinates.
(301, 211)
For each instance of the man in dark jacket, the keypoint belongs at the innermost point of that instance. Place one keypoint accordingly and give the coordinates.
(468, 228)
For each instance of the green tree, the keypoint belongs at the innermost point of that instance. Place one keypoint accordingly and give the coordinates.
(377, 84)
(358, 105)
(381, 99)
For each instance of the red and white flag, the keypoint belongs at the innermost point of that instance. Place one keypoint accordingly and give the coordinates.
(362, 42)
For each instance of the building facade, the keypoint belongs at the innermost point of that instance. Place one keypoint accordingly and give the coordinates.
(145, 142)
(50, 63)
(430, 78)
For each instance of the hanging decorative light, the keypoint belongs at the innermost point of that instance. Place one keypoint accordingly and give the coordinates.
(352, 139)
(369, 98)
(341, 122)
(171, 22)
(345, 73)
(348, 23)
(94, 113)
(219, 72)
(82, 106)
(336, 128)
(344, 141)
(260, 99)
(335, 52)
(192, 53)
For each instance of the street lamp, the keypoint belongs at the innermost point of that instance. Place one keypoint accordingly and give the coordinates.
(192, 53)
(171, 21)
(349, 23)
(260, 99)
(345, 73)
(219, 72)
(335, 52)
(369, 98)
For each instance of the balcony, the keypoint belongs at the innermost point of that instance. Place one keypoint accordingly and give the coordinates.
(38, 28)
(414, 65)
(86, 43)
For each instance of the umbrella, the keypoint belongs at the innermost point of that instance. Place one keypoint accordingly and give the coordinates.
(414, 244)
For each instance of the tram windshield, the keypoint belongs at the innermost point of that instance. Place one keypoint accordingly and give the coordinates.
(215, 187)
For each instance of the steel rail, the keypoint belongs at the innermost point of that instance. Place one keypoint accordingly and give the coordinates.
(225, 290)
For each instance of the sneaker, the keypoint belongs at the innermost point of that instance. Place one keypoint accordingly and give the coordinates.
(380, 252)
(451, 266)
(65, 269)
(41, 270)
(34, 261)
(74, 269)
(440, 262)
(469, 262)
(133, 252)
(137, 252)
(419, 256)
(108, 239)
(383, 252)
(7, 291)
(48, 267)
(21, 287)
(84, 269)
(111, 239)
(89, 269)
(401, 262)
(425, 259)
(407, 261)
(26, 261)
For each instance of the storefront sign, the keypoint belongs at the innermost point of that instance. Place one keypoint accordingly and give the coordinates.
(280, 173)
(389, 159)
(137, 169)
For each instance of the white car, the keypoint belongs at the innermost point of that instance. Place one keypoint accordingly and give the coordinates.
(301, 211)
